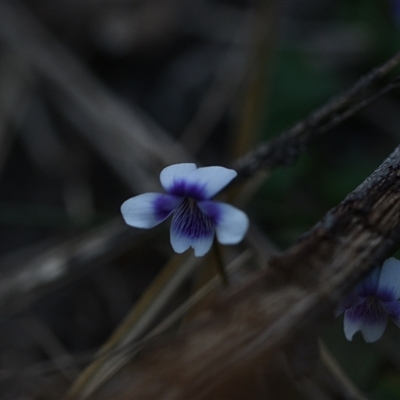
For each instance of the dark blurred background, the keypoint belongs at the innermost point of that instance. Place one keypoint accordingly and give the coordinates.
(96, 97)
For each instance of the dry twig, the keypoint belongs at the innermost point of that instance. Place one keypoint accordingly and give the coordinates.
(26, 280)
(285, 149)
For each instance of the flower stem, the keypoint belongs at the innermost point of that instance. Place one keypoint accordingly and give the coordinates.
(219, 264)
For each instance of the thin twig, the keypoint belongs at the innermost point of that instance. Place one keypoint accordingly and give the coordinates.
(285, 149)
(22, 281)
(338, 119)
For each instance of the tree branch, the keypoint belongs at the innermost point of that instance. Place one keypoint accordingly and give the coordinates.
(286, 148)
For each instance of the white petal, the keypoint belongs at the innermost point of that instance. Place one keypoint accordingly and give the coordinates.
(231, 224)
(181, 242)
(351, 325)
(373, 332)
(175, 173)
(191, 228)
(392, 309)
(202, 245)
(371, 319)
(389, 279)
(210, 179)
(149, 209)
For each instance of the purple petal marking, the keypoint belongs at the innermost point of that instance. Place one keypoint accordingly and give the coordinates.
(175, 173)
(186, 189)
(165, 204)
(393, 309)
(191, 228)
(385, 295)
(211, 209)
(231, 224)
(369, 317)
(190, 221)
(210, 179)
(196, 183)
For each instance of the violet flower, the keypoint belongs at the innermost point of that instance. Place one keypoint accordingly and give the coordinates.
(195, 217)
(374, 299)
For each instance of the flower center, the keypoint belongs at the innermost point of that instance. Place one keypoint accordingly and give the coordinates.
(192, 203)
(190, 221)
(374, 306)
(184, 189)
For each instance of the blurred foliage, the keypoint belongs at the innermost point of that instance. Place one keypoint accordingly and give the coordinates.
(320, 48)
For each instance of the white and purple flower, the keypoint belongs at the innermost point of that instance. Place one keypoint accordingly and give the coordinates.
(195, 216)
(374, 299)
